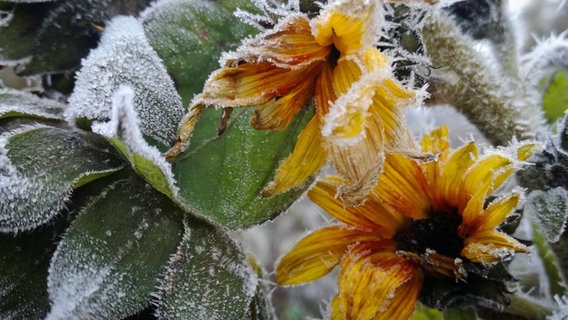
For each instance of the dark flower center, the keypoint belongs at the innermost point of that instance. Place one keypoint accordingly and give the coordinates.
(438, 233)
(333, 55)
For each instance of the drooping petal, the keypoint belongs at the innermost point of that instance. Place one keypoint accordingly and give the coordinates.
(318, 253)
(378, 285)
(525, 151)
(324, 91)
(349, 25)
(252, 84)
(290, 44)
(371, 216)
(491, 246)
(402, 186)
(308, 156)
(277, 114)
(472, 211)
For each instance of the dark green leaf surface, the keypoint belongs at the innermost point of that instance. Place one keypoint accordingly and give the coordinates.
(24, 261)
(17, 103)
(41, 166)
(221, 177)
(190, 35)
(108, 264)
(207, 278)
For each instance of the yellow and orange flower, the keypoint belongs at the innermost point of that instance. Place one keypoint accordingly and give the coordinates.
(333, 59)
(423, 219)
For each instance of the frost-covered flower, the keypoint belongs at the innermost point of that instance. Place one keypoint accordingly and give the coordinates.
(332, 58)
(424, 219)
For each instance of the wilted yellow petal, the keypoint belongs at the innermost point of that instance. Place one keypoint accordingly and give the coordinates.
(315, 255)
(378, 285)
(308, 156)
(491, 246)
(289, 45)
(348, 25)
(252, 84)
(371, 216)
(277, 114)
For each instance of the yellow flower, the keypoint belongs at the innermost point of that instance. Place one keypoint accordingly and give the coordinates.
(333, 59)
(423, 219)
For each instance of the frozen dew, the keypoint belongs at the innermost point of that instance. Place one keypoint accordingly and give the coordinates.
(124, 56)
(14, 101)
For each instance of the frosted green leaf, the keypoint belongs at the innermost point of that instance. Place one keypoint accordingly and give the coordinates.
(123, 132)
(549, 260)
(108, 263)
(189, 35)
(40, 166)
(124, 57)
(551, 210)
(555, 100)
(207, 278)
(24, 261)
(221, 177)
(15, 103)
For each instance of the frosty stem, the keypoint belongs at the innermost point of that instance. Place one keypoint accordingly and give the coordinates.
(527, 308)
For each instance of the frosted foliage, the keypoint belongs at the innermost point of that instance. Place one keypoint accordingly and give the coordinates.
(550, 53)
(207, 278)
(562, 312)
(18, 102)
(551, 210)
(38, 168)
(107, 265)
(124, 124)
(124, 56)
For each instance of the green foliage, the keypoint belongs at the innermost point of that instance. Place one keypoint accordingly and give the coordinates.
(555, 99)
(221, 177)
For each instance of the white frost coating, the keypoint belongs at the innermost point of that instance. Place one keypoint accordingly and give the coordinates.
(21, 102)
(551, 210)
(124, 56)
(561, 312)
(123, 124)
(551, 52)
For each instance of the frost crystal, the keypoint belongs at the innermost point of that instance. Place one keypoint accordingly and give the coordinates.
(124, 56)
(13, 101)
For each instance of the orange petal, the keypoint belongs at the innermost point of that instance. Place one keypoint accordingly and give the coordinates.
(472, 211)
(402, 186)
(491, 246)
(378, 285)
(308, 156)
(289, 44)
(494, 168)
(252, 84)
(437, 142)
(277, 114)
(324, 91)
(371, 216)
(349, 25)
(494, 215)
(450, 180)
(317, 254)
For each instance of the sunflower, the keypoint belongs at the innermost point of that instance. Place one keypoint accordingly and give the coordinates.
(332, 59)
(424, 219)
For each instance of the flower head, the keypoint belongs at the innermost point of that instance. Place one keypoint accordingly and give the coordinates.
(333, 59)
(424, 219)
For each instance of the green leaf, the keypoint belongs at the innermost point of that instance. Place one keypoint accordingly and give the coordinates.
(24, 261)
(221, 177)
(108, 264)
(18, 34)
(207, 278)
(553, 276)
(459, 314)
(39, 168)
(189, 36)
(551, 211)
(124, 58)
(424, 313)
(15, 103)
(147, 169)
(555, 99)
